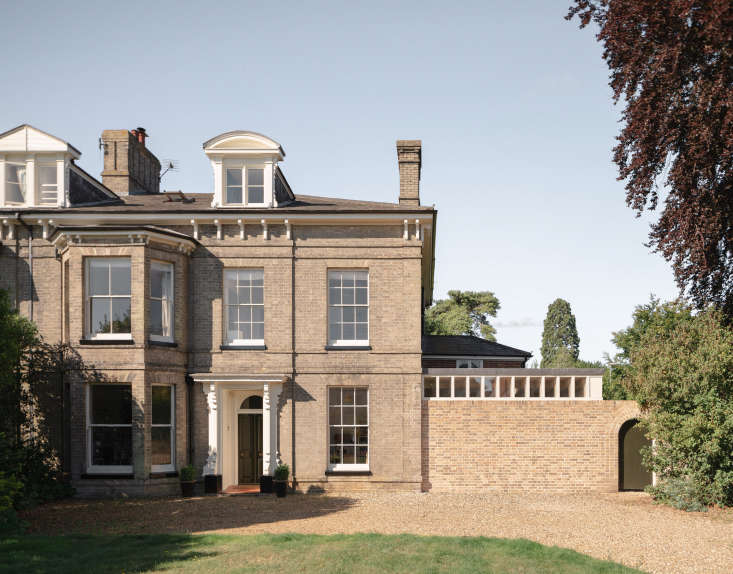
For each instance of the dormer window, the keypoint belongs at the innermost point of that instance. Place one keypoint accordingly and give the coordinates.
(246, 172)
(15, 185)
(48, 183)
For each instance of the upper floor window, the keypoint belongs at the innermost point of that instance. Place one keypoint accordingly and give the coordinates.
(244, 306)
(245, 185)
(470, 363)
(15, 184)
(161, 301)
(48, 184)
(108, 298)
(348, 308)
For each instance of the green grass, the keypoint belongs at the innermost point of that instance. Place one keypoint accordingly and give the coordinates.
(289, 553)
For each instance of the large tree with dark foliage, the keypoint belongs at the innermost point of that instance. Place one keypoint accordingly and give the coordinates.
(463, 313)
(671, 64)
(560, 340)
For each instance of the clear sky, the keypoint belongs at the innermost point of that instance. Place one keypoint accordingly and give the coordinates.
(510, 100)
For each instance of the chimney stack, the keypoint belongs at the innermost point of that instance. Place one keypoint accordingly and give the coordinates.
(130, 168)
(409, 159)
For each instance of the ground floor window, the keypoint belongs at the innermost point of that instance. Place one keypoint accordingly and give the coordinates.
(163, 428)
(348, 421)
(109, 429)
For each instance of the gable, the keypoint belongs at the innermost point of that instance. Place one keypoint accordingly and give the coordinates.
(26, 138)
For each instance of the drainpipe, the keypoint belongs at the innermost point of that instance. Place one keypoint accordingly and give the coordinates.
(29, 228)
(189, 403)
(292, 362)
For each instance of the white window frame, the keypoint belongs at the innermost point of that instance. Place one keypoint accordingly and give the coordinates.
(167, 265)
(346, 342)
(172, 426)
(242, 342)
(54, 166)
(6, 182)
(471, 363)
(342, 467)
(88, 301)
(244, 168)
(105, 469)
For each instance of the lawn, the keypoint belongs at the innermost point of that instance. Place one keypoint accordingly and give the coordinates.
(355, 553)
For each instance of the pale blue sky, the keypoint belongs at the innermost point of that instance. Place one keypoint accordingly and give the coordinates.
(510, 100)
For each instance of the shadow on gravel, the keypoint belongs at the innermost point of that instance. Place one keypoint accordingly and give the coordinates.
(177, 515)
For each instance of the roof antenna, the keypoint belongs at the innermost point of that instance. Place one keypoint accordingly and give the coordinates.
(170, 165)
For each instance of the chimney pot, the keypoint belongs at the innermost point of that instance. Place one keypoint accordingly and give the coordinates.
(140, 134)
(409, 160)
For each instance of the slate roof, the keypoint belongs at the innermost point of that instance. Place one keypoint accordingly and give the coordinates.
(467, 345)
(171, 203)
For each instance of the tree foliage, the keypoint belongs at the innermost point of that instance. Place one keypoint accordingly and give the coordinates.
(678, 365)
(463, 313)
(560, 341)
(31, 381)
(671, 63)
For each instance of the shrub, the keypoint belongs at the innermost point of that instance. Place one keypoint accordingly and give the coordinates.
(282, 472)
(188, 473)
(684, 493)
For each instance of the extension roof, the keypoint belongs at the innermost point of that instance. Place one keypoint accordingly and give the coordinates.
(467, 346)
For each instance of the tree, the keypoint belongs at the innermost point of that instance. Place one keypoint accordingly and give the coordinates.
(671, 64)
(463, 313)
(678, 365)
(560, 341)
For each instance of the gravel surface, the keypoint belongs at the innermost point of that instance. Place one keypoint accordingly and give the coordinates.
(624, 527)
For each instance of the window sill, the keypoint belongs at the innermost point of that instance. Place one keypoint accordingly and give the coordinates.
(348, 473)
(243, 347)
(348, 348)
(106, 342)
(164, 474)
(103, 476)
(154, 343)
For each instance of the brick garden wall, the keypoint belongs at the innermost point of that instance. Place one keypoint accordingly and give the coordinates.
(522, 445)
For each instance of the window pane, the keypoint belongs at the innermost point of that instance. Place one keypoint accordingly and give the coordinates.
(255, 176)
(230, 287)
(161, 447)
(348, 396)
(429, 387)
(362, 435)
(334, 331)
(361, 454)
(121, 315)
(156, 317)
(349, 455)
(348, 314)
(156, 281)
(244, 294)
(334, 396)
(348, 415)
(334, 416)
(362, 332)
(335, 435)
(234, 194)
(47, 174)
(245, 314)
(111, 446)
(361, 278)
(234, 177)
(348, 435)
(256, 194)
(335, 455)
(334, 295)
(361, 296)
(334, 279)
(245, 331)
(475, 387)
(361, 415)
(98, 277)
(361, 396)
(348, 334)
(258, 278)
(111, 404)
(257, 295)
(161, 405)
(347, 296)
(15, 188)
(119, 277)
(347, 279)
(362, 314)
(100, 320)
(258, 331)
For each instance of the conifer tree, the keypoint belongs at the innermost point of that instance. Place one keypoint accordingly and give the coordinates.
(560, 341)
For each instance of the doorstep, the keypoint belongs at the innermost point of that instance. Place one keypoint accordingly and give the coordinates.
(242, 489)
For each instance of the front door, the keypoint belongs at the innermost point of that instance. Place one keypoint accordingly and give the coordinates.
(250, 448)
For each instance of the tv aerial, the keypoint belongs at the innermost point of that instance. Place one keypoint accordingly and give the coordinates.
(168, 165)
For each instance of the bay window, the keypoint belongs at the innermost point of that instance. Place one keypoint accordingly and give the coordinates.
(163, 429)
(109, 428)
(348, 308)
(348, 422)
(244, 306)
(161, 301)
(108, 298)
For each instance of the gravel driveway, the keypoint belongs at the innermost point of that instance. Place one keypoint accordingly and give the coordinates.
(624, 527)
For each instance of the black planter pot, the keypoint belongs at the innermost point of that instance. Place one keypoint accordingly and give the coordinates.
(187, 488)
(266, 484)
(281, 488)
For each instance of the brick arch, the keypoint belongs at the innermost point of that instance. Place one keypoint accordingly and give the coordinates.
(627, 411)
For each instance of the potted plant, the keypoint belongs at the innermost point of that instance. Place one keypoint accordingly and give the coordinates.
(188, 480)
(280, 481)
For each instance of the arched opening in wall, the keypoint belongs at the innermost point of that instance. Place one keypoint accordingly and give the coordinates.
(632, 474)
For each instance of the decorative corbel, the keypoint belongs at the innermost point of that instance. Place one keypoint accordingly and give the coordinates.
(218, 228)
(288, 230)
(406, 232)
(195, 229)
(417, 229)
(264, 229)
(11, 228)
(240, 222)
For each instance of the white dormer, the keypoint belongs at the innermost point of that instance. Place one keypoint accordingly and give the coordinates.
(244, 166)
(34, 168)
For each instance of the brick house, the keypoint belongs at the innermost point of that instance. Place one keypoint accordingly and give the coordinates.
(253, 325)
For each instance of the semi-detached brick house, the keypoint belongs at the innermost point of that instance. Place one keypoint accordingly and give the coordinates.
(251, 326)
